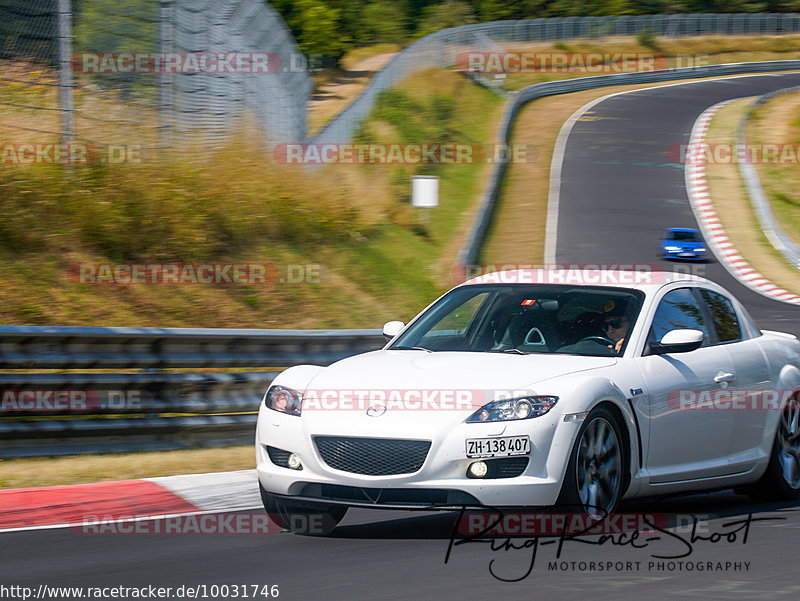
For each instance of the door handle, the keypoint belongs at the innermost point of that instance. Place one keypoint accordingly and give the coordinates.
(723, 376)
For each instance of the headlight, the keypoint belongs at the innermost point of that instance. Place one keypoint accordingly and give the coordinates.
(283, 399)
(513, 409)
(671, 248)
(700, 250)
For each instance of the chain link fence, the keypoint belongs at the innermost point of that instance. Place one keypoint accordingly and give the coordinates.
(147, 74)
(210, 68)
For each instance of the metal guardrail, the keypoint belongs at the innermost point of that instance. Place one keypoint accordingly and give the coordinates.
(780, 240)
(470, 252)
(69, 413)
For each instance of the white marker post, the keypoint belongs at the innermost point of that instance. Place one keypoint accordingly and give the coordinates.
(425, 194)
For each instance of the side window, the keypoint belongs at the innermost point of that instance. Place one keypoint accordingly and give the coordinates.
(678, 310)
(724, 316)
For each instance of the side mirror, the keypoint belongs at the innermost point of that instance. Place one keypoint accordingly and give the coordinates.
(392, 329)
(677, 341)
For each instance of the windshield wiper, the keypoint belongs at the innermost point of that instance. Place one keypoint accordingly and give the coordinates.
(510, 350)
(410, 348)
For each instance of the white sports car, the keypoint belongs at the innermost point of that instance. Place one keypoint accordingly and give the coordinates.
(538, 388)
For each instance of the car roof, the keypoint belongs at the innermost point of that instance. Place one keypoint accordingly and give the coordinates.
(683, 229)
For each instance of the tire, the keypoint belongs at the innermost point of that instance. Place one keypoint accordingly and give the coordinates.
(302, 517)
(595, 474)
(781, 481)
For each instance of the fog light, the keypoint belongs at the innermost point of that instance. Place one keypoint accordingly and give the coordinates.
(478, 469)
(294, 462)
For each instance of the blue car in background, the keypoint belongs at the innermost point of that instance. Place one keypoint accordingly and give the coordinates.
(683, 243)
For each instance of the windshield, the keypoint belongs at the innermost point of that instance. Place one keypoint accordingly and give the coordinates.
(522, 319)
(683, 236)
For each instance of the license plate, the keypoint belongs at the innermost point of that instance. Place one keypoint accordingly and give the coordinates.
(501, 446)
(685, 254)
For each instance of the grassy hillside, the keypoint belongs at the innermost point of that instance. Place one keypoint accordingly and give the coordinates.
(375, 257)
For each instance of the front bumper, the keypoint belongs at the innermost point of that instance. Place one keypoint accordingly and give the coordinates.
(441, 481)
(685, 254)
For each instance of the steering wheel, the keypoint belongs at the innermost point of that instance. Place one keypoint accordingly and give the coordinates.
(599, 340)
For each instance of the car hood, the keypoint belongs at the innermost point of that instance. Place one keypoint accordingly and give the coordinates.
(423, 391)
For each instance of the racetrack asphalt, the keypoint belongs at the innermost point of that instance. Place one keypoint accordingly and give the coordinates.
(619, 191)
(618, 194)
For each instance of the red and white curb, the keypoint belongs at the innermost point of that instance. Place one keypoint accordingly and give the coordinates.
(713, 232)
(171, 496)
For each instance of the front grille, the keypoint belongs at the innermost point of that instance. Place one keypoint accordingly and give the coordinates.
(373, 456)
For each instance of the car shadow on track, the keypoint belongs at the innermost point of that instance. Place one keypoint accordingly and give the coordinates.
(433, 526)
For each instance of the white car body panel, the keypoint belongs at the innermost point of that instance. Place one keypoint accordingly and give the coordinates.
(669, 449)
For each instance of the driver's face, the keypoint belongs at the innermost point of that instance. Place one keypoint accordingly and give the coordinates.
(616, 328)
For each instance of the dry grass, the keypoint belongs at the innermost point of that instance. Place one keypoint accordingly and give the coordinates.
(222, 208)
(733, 204)
(101, 117)
(217, 210)
(778, 122)
(360, 58)
(24, 473)
(336, 89)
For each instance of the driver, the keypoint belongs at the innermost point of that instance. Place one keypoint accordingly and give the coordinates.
(616, 323)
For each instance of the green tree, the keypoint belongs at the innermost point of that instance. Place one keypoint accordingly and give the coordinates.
(316, 27)
(449, 13)
(384, 21)
(99, 27)
(501, 10)
(724, 6)
(578, 8)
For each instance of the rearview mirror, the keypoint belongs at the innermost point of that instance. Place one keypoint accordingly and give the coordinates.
(677, 341)
(392, 329)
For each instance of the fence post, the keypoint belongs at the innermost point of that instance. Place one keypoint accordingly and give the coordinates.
(166, 16)
(65, 69)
